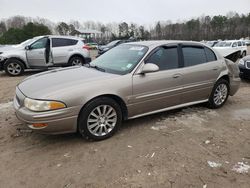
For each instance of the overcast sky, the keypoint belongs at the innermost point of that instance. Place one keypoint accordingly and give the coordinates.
(139, 11)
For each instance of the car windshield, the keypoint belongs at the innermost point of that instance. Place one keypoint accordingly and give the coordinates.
(112, 43)
(121, 59)
(27, 42)
(223, 44)
(210, 43)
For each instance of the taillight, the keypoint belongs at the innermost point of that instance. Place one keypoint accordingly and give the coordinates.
(86, 47)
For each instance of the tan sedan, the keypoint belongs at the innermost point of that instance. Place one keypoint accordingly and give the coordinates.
(129, 81)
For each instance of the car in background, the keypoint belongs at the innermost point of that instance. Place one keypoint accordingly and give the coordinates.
(43, 52)
(104, 48)
(129, 81)
(244, 66)
(92, 45)
(230, 46)
(211, 43)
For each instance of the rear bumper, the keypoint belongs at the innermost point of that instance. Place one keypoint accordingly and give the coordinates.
(234, 85)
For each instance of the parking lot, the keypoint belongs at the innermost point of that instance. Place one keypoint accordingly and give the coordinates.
(190, 147)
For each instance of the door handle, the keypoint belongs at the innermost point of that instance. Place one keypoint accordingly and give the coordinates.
(176, 75)
(40, 52)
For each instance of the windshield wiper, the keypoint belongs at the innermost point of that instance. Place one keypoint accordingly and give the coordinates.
(95, 67)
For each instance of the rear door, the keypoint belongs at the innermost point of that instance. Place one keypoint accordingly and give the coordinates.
(36, 54)
(158, 90)
(200, 71)
(61, 49)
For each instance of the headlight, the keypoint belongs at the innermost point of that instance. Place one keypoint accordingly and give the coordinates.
(242, 62)
(41, 105)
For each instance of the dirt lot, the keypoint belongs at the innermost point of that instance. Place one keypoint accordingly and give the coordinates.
(190, 147)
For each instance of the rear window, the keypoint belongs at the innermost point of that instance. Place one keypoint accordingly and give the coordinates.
(210, 55)
(194, 55)
(59, 42)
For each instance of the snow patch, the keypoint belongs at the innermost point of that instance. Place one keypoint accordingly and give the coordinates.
(241, 168)
(213, 164)
(6, 105)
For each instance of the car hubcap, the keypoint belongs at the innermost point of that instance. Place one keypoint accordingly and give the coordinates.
(220, 94)
(76, 62)
(14, 68)
(102, 120)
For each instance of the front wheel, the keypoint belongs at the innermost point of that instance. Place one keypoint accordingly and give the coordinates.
(100, 119)
(219, 94)
(14, 67)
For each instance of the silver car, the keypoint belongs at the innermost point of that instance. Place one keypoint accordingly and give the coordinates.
(43, 52)
(129, 81)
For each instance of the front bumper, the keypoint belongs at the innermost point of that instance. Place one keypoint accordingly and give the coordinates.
(58, 121)
(244, 72)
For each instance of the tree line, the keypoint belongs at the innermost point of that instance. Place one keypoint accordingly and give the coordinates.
(231, 26)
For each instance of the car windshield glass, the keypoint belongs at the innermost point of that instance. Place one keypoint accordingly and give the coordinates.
(121, 59)
(27, 42)
(223, 44)
(112, 43)
(210, 43)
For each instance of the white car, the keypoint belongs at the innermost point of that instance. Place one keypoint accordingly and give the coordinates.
(230, 46)
(43, 52)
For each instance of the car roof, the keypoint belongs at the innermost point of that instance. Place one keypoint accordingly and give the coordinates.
(154, 43)
(62, 36)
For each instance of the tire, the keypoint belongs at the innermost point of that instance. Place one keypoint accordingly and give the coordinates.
(219, 94)
(14, 67)
(76, 61)
(243, 54)
(100, 119)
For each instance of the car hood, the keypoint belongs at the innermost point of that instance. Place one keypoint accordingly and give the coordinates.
(10, 48)
(55, 82)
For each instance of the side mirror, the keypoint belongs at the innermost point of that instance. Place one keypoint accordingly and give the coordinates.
(149, 67)
(27, 47)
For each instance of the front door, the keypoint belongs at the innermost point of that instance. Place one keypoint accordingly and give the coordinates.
(158, 90)
(39, 53)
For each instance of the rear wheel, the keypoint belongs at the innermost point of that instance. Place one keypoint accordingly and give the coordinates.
(76, 61)
(219, 94)
(100, 119)
(14, 67)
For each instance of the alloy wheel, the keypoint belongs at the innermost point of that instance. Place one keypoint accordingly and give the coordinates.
(220, 94)
(14, 68)
(102, 120)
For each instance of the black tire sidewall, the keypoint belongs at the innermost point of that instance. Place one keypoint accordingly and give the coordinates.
(73, 58)
(211, 98)
(13, 61)
(83, 116)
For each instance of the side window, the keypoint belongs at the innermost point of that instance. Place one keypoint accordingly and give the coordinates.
(193, 55)
(239, 43)
(234, 44)
(39, 44)
(60, 42)
(210, 55)
(165, 58)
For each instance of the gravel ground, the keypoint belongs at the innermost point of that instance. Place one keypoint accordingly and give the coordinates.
(189, 147)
